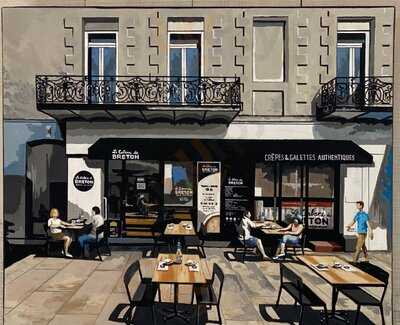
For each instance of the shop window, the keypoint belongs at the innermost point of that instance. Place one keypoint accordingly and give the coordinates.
(291, 210)
(178, 184)
(291, 181)
(321, 182)
(320, 215)
(265, 180)
(114, 189)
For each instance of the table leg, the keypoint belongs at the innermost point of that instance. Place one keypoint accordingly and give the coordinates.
(175, 312)
(341, 316)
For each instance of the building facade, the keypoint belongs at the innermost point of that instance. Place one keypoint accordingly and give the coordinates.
(203, 113)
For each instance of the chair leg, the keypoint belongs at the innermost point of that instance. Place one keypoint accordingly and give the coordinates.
(153, 315)
(219, 315)
(98, 252)
(302, 250)
(301, 315)
(279, 296)
(382, 314)
(357, 314)
(198, 314)
(203, 251)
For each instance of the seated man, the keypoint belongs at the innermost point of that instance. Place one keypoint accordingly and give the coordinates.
(97, 221)
(292, 236)
(251, 241)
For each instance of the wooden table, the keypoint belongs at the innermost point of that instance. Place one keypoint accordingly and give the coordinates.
(179, 274)
(180, 230)
(338, 278)
(274, 230)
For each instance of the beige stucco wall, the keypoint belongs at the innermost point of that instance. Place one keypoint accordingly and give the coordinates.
(51, 41)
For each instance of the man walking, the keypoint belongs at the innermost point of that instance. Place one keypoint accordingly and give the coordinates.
(363, 226)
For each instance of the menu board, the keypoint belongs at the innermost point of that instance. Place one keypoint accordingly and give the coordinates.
(209, 195)
(237, 195)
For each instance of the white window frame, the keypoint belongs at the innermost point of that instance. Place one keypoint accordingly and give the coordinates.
(101, 60)
(183, 46)
(275, 21)
(344, 44)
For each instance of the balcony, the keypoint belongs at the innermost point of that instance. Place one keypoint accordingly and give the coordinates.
(139, 98)
(355, 99)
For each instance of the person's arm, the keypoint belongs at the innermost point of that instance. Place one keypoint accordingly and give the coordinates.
(288, 228)
(350, 225)
(65, 223)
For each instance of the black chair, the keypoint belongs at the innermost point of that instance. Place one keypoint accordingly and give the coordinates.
(364, 298)
(144, 294)
(197, 241)
(99, 242)
(302, 294)
(210, 295)
(157, 235)
(241, 245)
(301, 245)
(51, 241)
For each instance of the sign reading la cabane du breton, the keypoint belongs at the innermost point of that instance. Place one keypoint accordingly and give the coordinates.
(83, 181)
(122, 154)
(209, 195)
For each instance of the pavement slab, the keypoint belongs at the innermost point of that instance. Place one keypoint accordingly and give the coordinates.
(53, 263)
(73, 320)
(17, 269)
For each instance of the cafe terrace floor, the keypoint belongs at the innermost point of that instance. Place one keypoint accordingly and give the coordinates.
(57, 291)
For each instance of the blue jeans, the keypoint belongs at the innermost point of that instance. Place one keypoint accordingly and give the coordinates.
(251, 242)
(291, 240)
(86, 239)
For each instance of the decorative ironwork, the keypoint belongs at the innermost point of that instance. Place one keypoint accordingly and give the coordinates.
(364, 94)
(144, 90)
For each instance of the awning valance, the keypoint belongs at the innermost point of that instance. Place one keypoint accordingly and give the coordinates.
(285, 151)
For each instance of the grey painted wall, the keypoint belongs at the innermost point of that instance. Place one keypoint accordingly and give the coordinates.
(50, 41)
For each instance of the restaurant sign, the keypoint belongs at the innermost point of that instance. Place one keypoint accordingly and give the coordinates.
(296, 157)
(83, 181)
(209, 195)
(118, 154)
(320, 215)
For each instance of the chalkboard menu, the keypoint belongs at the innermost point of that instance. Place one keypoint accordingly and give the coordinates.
(237, 194)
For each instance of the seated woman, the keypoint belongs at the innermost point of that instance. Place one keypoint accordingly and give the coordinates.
(292, 236)
(55, 225)
(246, 225)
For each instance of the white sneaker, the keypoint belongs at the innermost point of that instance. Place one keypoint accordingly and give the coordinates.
(68, 255)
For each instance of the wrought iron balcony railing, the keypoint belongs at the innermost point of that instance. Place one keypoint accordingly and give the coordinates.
(138, 90)
(365, 95)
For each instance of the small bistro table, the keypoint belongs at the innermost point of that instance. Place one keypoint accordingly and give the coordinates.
(337, 277)
(179, 231)
(180, 274)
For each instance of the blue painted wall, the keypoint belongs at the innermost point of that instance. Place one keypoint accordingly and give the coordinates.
(16, 135)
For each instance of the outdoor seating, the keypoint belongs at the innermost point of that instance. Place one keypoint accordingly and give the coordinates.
(301, 293)
(242, 246)
(101, 242)
(364, 298)
(301, 245)
(50, 241)
(144, 294)
(156, 231)
(210, 294)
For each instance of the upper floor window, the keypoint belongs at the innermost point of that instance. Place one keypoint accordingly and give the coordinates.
(185, 67)
(101, 65)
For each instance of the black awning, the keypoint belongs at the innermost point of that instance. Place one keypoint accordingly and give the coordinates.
(290, 151)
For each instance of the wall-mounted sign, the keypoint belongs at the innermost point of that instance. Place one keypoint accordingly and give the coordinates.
(209, 195)
(125, 155)
(237, 193)
(272, 157)
(83, 181)
(320, 215)
(178, 184)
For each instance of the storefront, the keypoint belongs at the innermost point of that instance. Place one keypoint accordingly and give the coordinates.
(214, 181)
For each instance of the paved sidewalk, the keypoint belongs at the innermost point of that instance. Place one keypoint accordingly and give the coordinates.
(59, 291)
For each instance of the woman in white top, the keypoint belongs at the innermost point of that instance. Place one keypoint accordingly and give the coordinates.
(56, 225)
(250, 240)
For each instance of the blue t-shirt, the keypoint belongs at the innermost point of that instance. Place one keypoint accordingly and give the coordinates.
(361, 218)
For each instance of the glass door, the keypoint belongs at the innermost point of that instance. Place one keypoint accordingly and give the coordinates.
(101, 67)
(184, 68)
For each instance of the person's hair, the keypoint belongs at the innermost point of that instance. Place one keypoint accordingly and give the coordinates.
(96, 210)
(361, 203)
(54, 213)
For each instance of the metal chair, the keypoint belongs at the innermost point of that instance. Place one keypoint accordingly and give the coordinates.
(302, 294)
(50, 240)
(241, 244)
(99, 242)
(364, 298)
(208, 295)
(301, 246)
(144, 294)
(197, 241)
